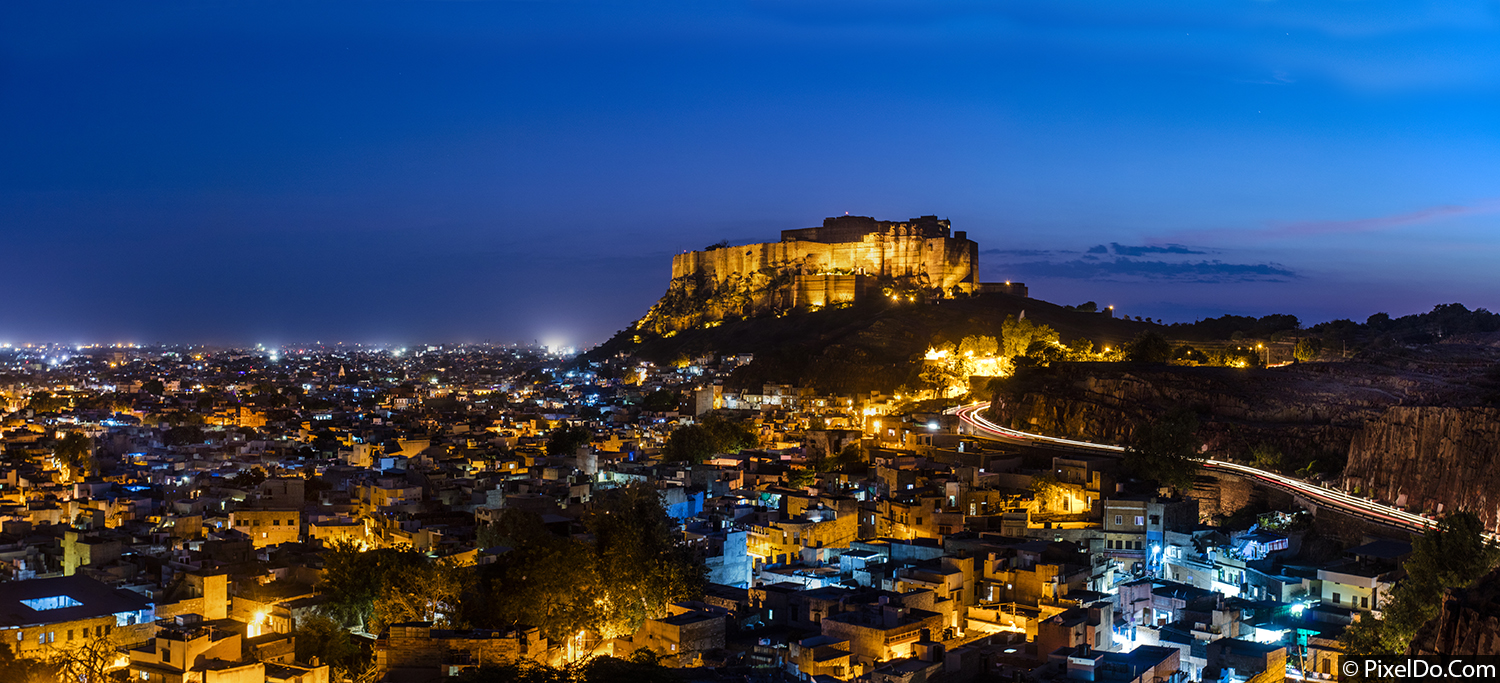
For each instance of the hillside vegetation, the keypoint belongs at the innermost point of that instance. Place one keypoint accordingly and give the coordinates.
(877, 345)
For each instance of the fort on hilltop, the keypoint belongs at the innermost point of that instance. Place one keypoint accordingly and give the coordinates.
(843, 261)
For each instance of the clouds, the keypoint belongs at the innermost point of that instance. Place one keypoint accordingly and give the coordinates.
(1123, 269)
(1169, 264)
(1127, 250)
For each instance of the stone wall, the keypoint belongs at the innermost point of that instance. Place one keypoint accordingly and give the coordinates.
(945, 261)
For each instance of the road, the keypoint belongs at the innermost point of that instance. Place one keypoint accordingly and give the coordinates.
(1360, 507)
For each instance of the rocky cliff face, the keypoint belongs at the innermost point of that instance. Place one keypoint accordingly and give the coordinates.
(1430, 458)
(1308, 411)
(1411, 432)
(1469, 623)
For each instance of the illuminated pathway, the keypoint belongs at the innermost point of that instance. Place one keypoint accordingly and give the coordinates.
(970, 414)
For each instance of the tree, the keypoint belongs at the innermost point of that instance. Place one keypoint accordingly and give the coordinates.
(1190, 354)
(544, 581)
(76, 451)
(1149, 347)
(978, 346)
(1451, 556)
(1017, 335)
(1267, 457)
(25, 669)
(566, 440)
(426, 591)
(88, 661)
(662, 400)
(1043, 487)
(183, 436)
(45, 402)
(713, 435)
(354, 578)
(319, 635)
(801, 478)
(1307, 349)
(1164, 450)
(641, 562)
(1045, 353)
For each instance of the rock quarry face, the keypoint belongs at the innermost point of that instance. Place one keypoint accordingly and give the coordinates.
(1469, 623)
(1312, 409)
(1411, 433)
(1437, 459)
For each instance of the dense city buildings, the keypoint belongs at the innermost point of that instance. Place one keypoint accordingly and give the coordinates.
(328, 513)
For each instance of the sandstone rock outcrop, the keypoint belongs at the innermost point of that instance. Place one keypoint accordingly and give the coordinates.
(1308, 410)
(1469, 623)
(1430, 458)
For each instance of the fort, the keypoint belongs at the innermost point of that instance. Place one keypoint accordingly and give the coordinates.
(843, 261)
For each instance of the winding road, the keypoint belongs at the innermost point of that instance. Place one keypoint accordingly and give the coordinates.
(971, 415)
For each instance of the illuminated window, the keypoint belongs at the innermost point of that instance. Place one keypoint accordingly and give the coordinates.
(51, 602)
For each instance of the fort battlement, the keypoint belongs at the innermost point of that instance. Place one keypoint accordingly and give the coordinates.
(846, 259)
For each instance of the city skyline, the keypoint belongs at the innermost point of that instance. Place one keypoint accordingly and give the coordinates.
(437, 172)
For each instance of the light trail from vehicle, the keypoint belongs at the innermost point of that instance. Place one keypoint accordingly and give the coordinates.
(970, 414)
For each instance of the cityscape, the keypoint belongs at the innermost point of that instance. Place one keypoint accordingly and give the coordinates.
(550, 343)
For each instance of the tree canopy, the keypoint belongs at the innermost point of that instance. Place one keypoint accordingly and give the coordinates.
(566, 440)
(711, 436)
(1149, 347)
(1164, 450)
(1451, 556)
(632, 569)
(1017, 335)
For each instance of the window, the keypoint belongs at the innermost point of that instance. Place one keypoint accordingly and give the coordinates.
(1336, 598)
(1140, 521)
(70, 634)
(1364, 602)
(1119, 519)
(166, 655)
(275, 522)
(1155, 519)
(51, 602)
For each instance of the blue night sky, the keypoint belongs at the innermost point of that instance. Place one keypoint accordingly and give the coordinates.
(393, 171)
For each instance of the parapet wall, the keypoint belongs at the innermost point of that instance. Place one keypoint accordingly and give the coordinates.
(946, 262)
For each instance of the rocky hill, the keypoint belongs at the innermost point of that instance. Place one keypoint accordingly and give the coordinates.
(875, 345)
(1417, 425)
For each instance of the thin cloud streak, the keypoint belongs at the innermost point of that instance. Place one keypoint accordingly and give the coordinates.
(1362, 225)
(1302, 229)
